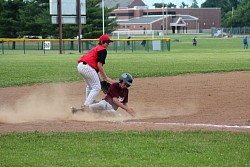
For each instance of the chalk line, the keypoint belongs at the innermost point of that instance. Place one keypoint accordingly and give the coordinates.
(194, 125)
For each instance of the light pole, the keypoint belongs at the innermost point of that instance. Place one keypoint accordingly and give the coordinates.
(167, 20)
(103, 32)
(59, 12)
(163, 16)
(79, 25)
(147, 22)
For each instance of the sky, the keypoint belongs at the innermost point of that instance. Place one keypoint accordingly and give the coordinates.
(176, 2)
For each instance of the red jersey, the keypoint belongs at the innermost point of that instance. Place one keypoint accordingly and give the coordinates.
(116, 91)
(91, 57)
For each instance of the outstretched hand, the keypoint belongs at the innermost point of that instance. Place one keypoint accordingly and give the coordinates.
(131, 112)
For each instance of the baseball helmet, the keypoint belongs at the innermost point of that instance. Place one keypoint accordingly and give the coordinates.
(127, 78)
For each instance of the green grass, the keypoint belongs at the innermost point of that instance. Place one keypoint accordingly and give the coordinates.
(148, 148)
(151, 148)
(211, 55)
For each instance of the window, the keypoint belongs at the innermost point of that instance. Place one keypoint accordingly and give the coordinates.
(125, 14)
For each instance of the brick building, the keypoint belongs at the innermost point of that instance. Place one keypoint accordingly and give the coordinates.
(135, 15)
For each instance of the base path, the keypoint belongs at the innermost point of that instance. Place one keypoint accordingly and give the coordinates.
(216, 101)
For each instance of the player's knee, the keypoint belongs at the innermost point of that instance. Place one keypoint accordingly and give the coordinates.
(97, 88)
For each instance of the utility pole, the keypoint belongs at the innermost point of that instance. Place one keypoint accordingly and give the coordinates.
(59, 12)
(163, 27)
(103, 25)
(78, 11)
(167, 20)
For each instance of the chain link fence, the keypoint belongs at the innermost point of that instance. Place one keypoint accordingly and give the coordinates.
(71, 45)
(229, 32)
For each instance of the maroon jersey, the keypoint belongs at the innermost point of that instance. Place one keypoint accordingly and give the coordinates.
(116, 91)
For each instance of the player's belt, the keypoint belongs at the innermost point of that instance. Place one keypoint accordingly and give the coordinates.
(83, 62)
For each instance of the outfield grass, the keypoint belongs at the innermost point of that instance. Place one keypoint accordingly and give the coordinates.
(149, 148)
(211, 55)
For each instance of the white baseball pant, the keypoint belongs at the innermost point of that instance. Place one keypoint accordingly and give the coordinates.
(92, 80)
(102, 105)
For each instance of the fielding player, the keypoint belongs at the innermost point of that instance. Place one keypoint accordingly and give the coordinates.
(90, 67)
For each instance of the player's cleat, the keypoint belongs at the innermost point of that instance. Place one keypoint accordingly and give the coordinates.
(95, 101)
(74, 110)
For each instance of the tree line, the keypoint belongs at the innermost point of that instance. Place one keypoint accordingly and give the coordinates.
(234, 13)
(19, 18)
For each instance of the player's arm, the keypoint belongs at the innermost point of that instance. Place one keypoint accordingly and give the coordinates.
(103, 73)
(124, 106)
(101, 56)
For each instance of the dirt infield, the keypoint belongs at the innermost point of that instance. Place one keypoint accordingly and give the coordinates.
(186, 102)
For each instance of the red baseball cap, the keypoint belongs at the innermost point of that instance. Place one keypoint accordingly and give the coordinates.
(105, 37)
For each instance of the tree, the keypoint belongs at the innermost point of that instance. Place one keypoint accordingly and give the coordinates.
(194, 4)
(28, 15)
(234, 13)
(241, 15)
(227, 20)
(183, 5)
(225, 5)
(31, 17)
(171, 5)
(10, 17)
(46, 27)
(93, 28)
(159, 5)
(235, 3)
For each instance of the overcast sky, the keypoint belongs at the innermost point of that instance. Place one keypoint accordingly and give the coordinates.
(176, 2)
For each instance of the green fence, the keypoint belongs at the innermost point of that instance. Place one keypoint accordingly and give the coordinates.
(119, 45)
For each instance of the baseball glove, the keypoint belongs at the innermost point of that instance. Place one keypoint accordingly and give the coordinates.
(105, 86)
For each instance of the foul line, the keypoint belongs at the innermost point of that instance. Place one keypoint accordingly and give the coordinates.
(195, 125)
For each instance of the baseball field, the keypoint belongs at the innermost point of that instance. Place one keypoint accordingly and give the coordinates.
(192, 105)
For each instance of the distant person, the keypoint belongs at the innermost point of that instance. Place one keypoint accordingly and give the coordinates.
(128, 42)
(245, 42)
(194, 41)
(143, 43)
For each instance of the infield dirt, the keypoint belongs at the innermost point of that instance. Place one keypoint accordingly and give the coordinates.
(164, 103)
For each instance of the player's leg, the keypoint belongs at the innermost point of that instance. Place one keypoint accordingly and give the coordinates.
(93, 86)
(88, 89)
(101, 105)
(93, 83)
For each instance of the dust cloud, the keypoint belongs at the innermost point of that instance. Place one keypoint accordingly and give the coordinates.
(48, 104)
(52, 102)
(39, 104)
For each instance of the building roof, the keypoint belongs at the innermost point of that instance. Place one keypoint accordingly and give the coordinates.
(188, 17)
(123, 3)
(154, 18)
(140, 20)
(137, 3)
(178, 22)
